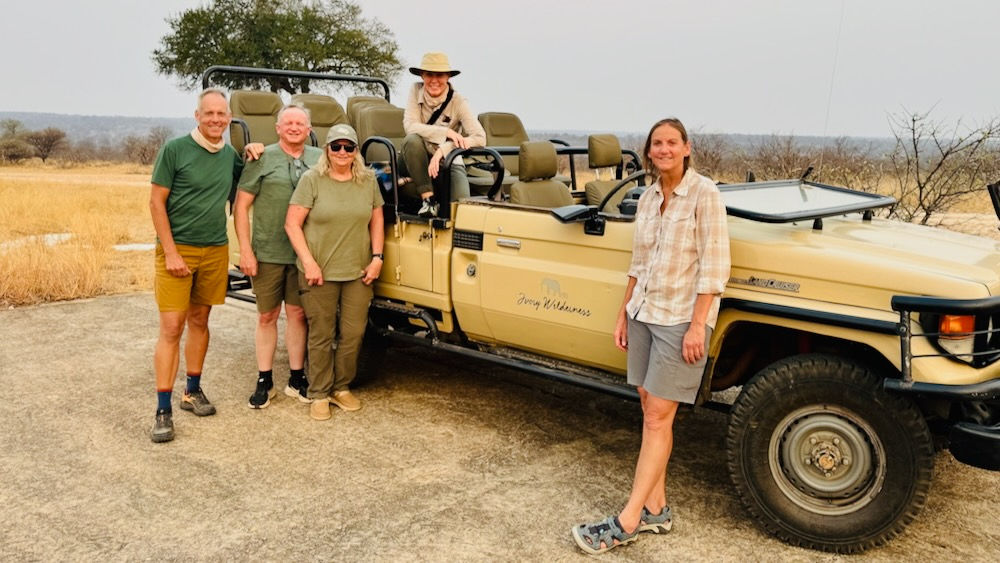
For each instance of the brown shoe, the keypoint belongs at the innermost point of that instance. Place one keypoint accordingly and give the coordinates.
(345, 400)
(320, 409)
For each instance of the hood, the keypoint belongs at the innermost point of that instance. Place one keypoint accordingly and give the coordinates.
(861, 263)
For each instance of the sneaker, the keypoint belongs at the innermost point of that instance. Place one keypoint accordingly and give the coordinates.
(163, 427)
(297, 390)
(428, 209)
(198, 403)
(656, 523)
(262, 396)
(345, 400)
(320, 410)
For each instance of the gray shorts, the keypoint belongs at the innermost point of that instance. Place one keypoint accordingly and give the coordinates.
(655, 362)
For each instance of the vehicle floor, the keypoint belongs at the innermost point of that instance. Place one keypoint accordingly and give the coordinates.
(448, 460)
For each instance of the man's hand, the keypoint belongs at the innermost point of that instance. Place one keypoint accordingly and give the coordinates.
(176, 266)
(248, 263)
(435, 164)
(253, 151)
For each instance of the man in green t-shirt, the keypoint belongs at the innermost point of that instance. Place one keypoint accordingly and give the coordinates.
(267, 256)
(191, 181)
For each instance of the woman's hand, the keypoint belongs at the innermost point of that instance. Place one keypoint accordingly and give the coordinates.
(621, 332)
(314, 275)
(693, 346)
(372, 271)
(456, 138)
(435, 163)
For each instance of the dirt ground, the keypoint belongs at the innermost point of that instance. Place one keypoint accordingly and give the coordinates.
(447, 461)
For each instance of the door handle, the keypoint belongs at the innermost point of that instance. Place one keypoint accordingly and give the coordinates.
(509, 243)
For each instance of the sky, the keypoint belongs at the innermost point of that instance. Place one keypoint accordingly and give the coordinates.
(789, 67)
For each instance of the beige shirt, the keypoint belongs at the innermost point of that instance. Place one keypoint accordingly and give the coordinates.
(679, 254)
(457, 116)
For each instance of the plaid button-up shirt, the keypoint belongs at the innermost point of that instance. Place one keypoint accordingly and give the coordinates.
(679, 254)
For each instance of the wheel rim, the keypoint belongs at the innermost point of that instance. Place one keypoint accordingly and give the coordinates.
(827, 460)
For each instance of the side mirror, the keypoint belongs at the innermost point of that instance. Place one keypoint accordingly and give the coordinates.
(593, 223)
(574, 213)
(630, 203)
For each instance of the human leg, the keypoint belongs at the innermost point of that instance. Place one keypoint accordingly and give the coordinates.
(320, 305)
(654, 453)
(266, 338)
(354, 302)
(195, 348)
(416, 160)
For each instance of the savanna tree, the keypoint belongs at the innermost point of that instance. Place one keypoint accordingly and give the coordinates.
(329, 36)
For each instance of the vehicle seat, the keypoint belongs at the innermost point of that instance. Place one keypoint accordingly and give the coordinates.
(382, 120)
(537, 163)
(356, 103)
(254, 112)
(604, 151)
(324, 113)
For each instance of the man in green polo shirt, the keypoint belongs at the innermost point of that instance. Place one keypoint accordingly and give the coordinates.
(268, 257)
(191, 181)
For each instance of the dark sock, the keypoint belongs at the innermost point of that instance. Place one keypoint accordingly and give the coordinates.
(163, 401)
(193, 382)
(297, 375)
(265, 377)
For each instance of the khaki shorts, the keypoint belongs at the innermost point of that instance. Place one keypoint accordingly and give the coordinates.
(205, 285)
(275, 283)
(655, 362)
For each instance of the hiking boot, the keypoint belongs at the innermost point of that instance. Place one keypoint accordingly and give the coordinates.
(262, 396)
(297, 390)
(345, 400)
(320, 409)
(198, 403)
(428, 209)
(163, 427)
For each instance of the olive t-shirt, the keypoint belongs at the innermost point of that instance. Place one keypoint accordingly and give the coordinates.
(272, 179)
(336, 228)
(199, 182)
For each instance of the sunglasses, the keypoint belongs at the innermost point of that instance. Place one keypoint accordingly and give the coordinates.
(337, 147)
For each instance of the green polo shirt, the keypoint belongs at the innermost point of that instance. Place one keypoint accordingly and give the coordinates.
(199, 182)
(272, 179)
(336, 228)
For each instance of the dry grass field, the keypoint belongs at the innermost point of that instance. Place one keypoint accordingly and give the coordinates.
(59, 228)
(63, 229)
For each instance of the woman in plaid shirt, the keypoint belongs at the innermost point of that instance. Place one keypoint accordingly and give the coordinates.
(680, 266)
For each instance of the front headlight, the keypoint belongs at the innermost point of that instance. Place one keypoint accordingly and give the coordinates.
(955, 335)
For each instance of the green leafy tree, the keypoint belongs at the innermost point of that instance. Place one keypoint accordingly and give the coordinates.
(15, 150)
(11, 128)
(46, 141)
(329, 36)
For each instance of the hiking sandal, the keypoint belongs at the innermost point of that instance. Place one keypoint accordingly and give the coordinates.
(655, 523)
(609, 533)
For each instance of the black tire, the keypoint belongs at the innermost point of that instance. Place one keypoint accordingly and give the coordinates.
(824, 458)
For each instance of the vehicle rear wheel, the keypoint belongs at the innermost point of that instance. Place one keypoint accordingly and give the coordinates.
(824, 458)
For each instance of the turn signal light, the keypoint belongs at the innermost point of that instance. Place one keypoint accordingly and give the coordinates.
(957, 327)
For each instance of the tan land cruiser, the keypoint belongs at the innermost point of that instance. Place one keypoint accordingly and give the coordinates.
(858, 344)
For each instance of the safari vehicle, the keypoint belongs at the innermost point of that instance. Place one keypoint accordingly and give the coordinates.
(858, 345)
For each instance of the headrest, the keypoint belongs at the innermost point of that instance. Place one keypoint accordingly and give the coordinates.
(324, 111)
(255, 102)
(537, 160)
(603, 151)
(498, 124)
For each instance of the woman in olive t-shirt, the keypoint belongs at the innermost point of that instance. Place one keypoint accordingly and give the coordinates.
(335, 225)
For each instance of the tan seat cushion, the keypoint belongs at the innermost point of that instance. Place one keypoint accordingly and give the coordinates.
(603, 151)
(260, 112)
(324, 112)
(380, 120)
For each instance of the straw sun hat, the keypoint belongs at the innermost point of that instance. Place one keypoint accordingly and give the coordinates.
(434, 62)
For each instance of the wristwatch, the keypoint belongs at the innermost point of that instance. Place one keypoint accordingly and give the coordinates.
(379, 255)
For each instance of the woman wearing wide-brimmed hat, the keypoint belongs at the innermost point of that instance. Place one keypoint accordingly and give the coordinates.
(437, 120)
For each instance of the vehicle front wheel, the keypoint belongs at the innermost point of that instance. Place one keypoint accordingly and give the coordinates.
(824, 458)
